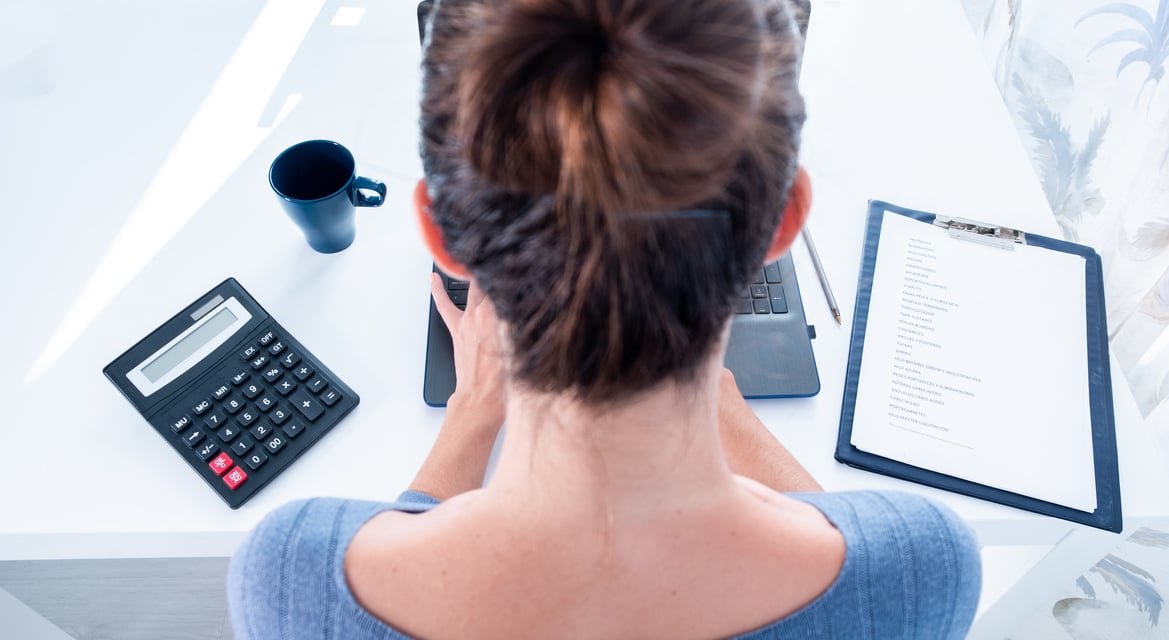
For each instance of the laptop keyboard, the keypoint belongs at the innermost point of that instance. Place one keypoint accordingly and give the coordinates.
(765, 293)
(456, 290)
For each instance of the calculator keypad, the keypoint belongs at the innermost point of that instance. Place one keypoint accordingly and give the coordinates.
(247, 423)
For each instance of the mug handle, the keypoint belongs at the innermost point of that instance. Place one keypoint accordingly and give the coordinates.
(362, 200)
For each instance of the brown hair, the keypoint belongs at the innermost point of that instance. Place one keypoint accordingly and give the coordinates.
(612, 173)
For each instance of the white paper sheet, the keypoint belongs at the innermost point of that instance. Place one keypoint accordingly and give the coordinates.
(975, 364)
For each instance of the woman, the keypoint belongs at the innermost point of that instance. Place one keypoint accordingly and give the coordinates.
(608, 173)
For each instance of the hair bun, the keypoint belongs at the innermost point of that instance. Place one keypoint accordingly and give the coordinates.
(619, 105)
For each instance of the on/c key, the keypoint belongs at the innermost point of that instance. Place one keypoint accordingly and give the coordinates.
(235, 478)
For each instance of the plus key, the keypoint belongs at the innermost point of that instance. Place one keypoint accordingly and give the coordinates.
(310, 407)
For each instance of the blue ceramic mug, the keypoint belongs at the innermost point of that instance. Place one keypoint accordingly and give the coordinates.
(318, 186)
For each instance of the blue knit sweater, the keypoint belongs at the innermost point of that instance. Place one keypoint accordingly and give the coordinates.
(911, 570)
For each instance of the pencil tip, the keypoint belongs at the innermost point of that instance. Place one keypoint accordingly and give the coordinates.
(838, 320)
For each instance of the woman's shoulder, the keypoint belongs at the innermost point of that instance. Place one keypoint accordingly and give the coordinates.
(289, 571)
(897, 526)
(878, 510)
(912, 565)
(314, 524)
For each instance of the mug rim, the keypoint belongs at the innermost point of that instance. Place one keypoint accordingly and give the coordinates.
(342, 188)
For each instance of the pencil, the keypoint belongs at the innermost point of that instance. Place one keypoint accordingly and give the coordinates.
(820, 273)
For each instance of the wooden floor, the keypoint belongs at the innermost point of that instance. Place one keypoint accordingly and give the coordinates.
(177, 599)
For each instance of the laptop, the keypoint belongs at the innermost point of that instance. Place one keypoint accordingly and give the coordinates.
(770, 347)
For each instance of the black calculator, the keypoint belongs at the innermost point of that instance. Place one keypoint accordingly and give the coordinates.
(232, 391)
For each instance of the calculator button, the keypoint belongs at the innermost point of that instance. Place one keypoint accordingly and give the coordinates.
(247, 417)
(180, 424)
(286, 387)
(762, 306)
(265, 403)
(228, 432)
(290, 359)
(272, 374)
(276, 348)
(317, 384)
(758, 291)
(250, 352)
(256, 459)
(221, 464)
(259, 361)
(758, 279)
(241, 446)
(307, 405)
(292, 429)
(276, 443)
(279, 415)
(221, 391)
(214, 420)
(235, 478)
(743, 305)
(267, 339)
(193, 437)
(233, 404)
(458, 297)
(302, 372)
(457, 285)
(202, 407)
(206, 450)
(261, 431)
(252, 390)
(330, 397)
(240, 377)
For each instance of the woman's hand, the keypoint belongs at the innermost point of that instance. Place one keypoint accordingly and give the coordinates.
(751, 449)
(478, 353)
(475, 411)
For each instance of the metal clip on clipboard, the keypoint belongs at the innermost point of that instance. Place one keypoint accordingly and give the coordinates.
(990, 235)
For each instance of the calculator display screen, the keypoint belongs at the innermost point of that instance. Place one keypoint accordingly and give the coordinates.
(181, 350)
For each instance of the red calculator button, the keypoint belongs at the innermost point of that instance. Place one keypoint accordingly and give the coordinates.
(235, 478)
(221, 464)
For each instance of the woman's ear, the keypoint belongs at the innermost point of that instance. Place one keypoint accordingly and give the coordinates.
(432, 235)
(799, 202)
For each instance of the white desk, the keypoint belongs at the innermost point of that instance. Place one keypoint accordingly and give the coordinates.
(137, 181)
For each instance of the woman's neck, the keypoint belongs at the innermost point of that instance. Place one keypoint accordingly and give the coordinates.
(658, 451)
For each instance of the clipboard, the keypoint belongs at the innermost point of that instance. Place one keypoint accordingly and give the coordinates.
(1107, 513)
